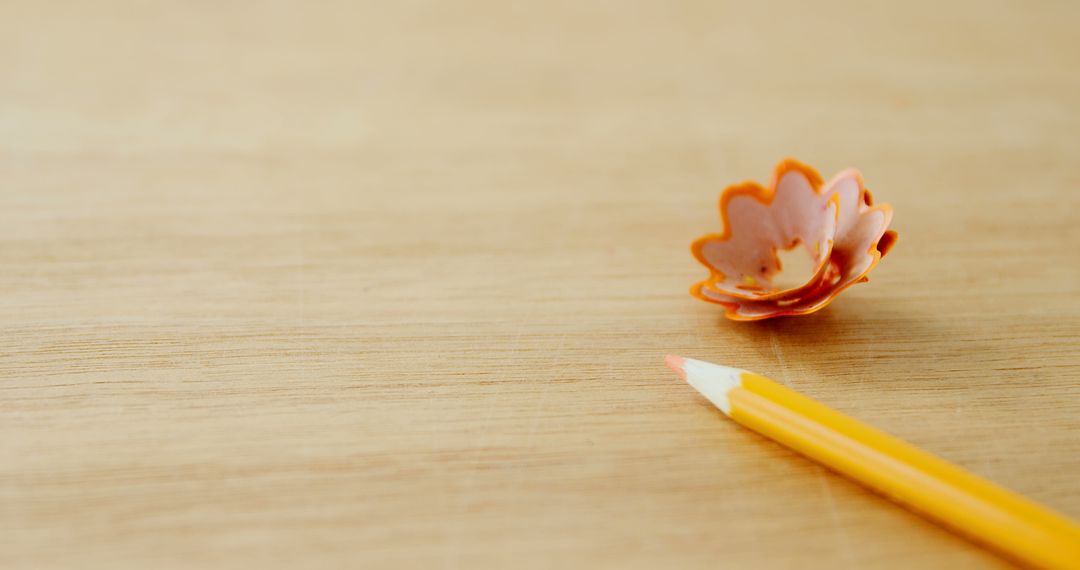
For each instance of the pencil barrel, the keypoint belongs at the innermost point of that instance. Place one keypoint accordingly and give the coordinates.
(970, 505)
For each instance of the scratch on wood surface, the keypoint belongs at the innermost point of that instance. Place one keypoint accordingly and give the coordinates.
(840, 534)
(778, 352)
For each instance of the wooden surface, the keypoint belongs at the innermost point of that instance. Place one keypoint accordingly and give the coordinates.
(389, 284)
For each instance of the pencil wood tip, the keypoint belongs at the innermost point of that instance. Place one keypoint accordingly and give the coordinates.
(676, 363)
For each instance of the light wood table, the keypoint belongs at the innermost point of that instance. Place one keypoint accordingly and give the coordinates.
(389, 284)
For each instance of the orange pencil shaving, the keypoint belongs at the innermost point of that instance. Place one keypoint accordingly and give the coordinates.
(974, 507)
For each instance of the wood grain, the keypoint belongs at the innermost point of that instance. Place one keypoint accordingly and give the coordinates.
(375, 285)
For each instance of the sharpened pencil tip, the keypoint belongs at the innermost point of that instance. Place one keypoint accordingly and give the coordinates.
(676, 363)
(712, 380)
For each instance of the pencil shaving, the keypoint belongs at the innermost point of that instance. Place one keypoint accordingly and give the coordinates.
(836, 223)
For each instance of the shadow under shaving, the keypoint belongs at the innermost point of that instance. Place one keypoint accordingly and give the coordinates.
(860, 338)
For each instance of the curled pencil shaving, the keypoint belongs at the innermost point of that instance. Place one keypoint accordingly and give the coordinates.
(836, 222)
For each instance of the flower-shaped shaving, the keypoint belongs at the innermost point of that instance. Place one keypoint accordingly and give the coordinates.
(837, 223)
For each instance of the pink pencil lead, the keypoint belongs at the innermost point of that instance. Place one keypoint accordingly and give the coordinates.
(676, 363)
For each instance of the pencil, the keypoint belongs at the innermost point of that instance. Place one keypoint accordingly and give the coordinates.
(969, 505)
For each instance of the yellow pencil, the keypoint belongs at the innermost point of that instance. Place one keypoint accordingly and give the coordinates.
(1000, 519)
